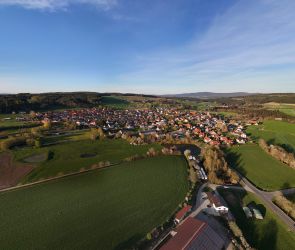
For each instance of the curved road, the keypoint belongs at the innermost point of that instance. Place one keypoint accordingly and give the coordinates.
(266, 197)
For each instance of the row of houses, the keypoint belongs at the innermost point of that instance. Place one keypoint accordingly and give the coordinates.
(210, 128)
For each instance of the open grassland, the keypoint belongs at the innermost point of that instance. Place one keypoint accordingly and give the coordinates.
(275, 132)
(9, 124)
(263, 170)
(68, 157)
(111, 208)
(75, 135)
(269, 233)
(14, 126)
(286, 108)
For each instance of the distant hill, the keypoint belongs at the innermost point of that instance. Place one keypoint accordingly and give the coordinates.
(210, 95)
(59, 100)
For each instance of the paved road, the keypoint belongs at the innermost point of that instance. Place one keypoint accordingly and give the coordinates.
(200, 203)
(266, 197)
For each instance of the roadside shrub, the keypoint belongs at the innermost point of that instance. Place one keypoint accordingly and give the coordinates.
(101, 164)
(151, 152)
(287, 206)
(149, 236)
(97, 134)
(238, 234)
(94, 166)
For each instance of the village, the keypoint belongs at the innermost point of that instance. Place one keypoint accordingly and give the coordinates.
(158, 123)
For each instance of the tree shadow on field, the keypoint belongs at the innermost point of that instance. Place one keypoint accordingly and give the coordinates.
(50, 155)
(260, 207)
(288, 148)
(271, 141)
(260, 234)
(286, 185)
(234, 161)
(269, 239)
(129, 243)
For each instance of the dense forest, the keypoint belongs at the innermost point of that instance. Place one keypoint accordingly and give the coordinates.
(251, 105)
(46, 101)
(258, 99)
(27, 102)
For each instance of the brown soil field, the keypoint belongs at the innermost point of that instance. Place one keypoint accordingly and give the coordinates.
(11, 172)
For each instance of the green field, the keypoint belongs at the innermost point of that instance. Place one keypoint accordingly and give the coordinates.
(75, 135)
(269, 233)
(66, 157)
(286, 108)
(13, 125)
(263, 170)
(104, 209)
(275, 132)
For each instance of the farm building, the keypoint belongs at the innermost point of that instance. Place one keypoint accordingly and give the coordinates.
(181, 213)
(194, 234)
(217, 205)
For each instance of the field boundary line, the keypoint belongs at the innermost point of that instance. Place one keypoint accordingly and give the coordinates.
(55, 178)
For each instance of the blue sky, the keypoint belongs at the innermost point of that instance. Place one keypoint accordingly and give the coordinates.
(147, 46)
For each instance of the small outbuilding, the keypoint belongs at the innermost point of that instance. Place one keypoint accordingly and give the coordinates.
(182, 213)
(248, 212)
(257, 214)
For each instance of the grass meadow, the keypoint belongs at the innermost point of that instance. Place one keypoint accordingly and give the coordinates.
(110, 208)
(262, 169)
(67, 157)
(275, 132)
(286, 108)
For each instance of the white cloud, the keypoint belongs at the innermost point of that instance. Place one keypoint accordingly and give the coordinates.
(251, 43)
(57, 4)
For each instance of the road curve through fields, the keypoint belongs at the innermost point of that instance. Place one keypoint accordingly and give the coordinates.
(267, 198)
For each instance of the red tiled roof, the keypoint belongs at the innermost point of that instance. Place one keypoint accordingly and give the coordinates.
(214, 199)
(181, 213)
(186, 233)
(194, 234)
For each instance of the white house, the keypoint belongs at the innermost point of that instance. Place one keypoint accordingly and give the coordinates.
(217, 205)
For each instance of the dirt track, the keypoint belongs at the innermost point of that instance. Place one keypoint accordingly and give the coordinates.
(11, 172)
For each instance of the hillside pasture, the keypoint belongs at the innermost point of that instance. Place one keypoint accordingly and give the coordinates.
(262, 169)
(275, 132)
(110, 208)
(66, 157)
